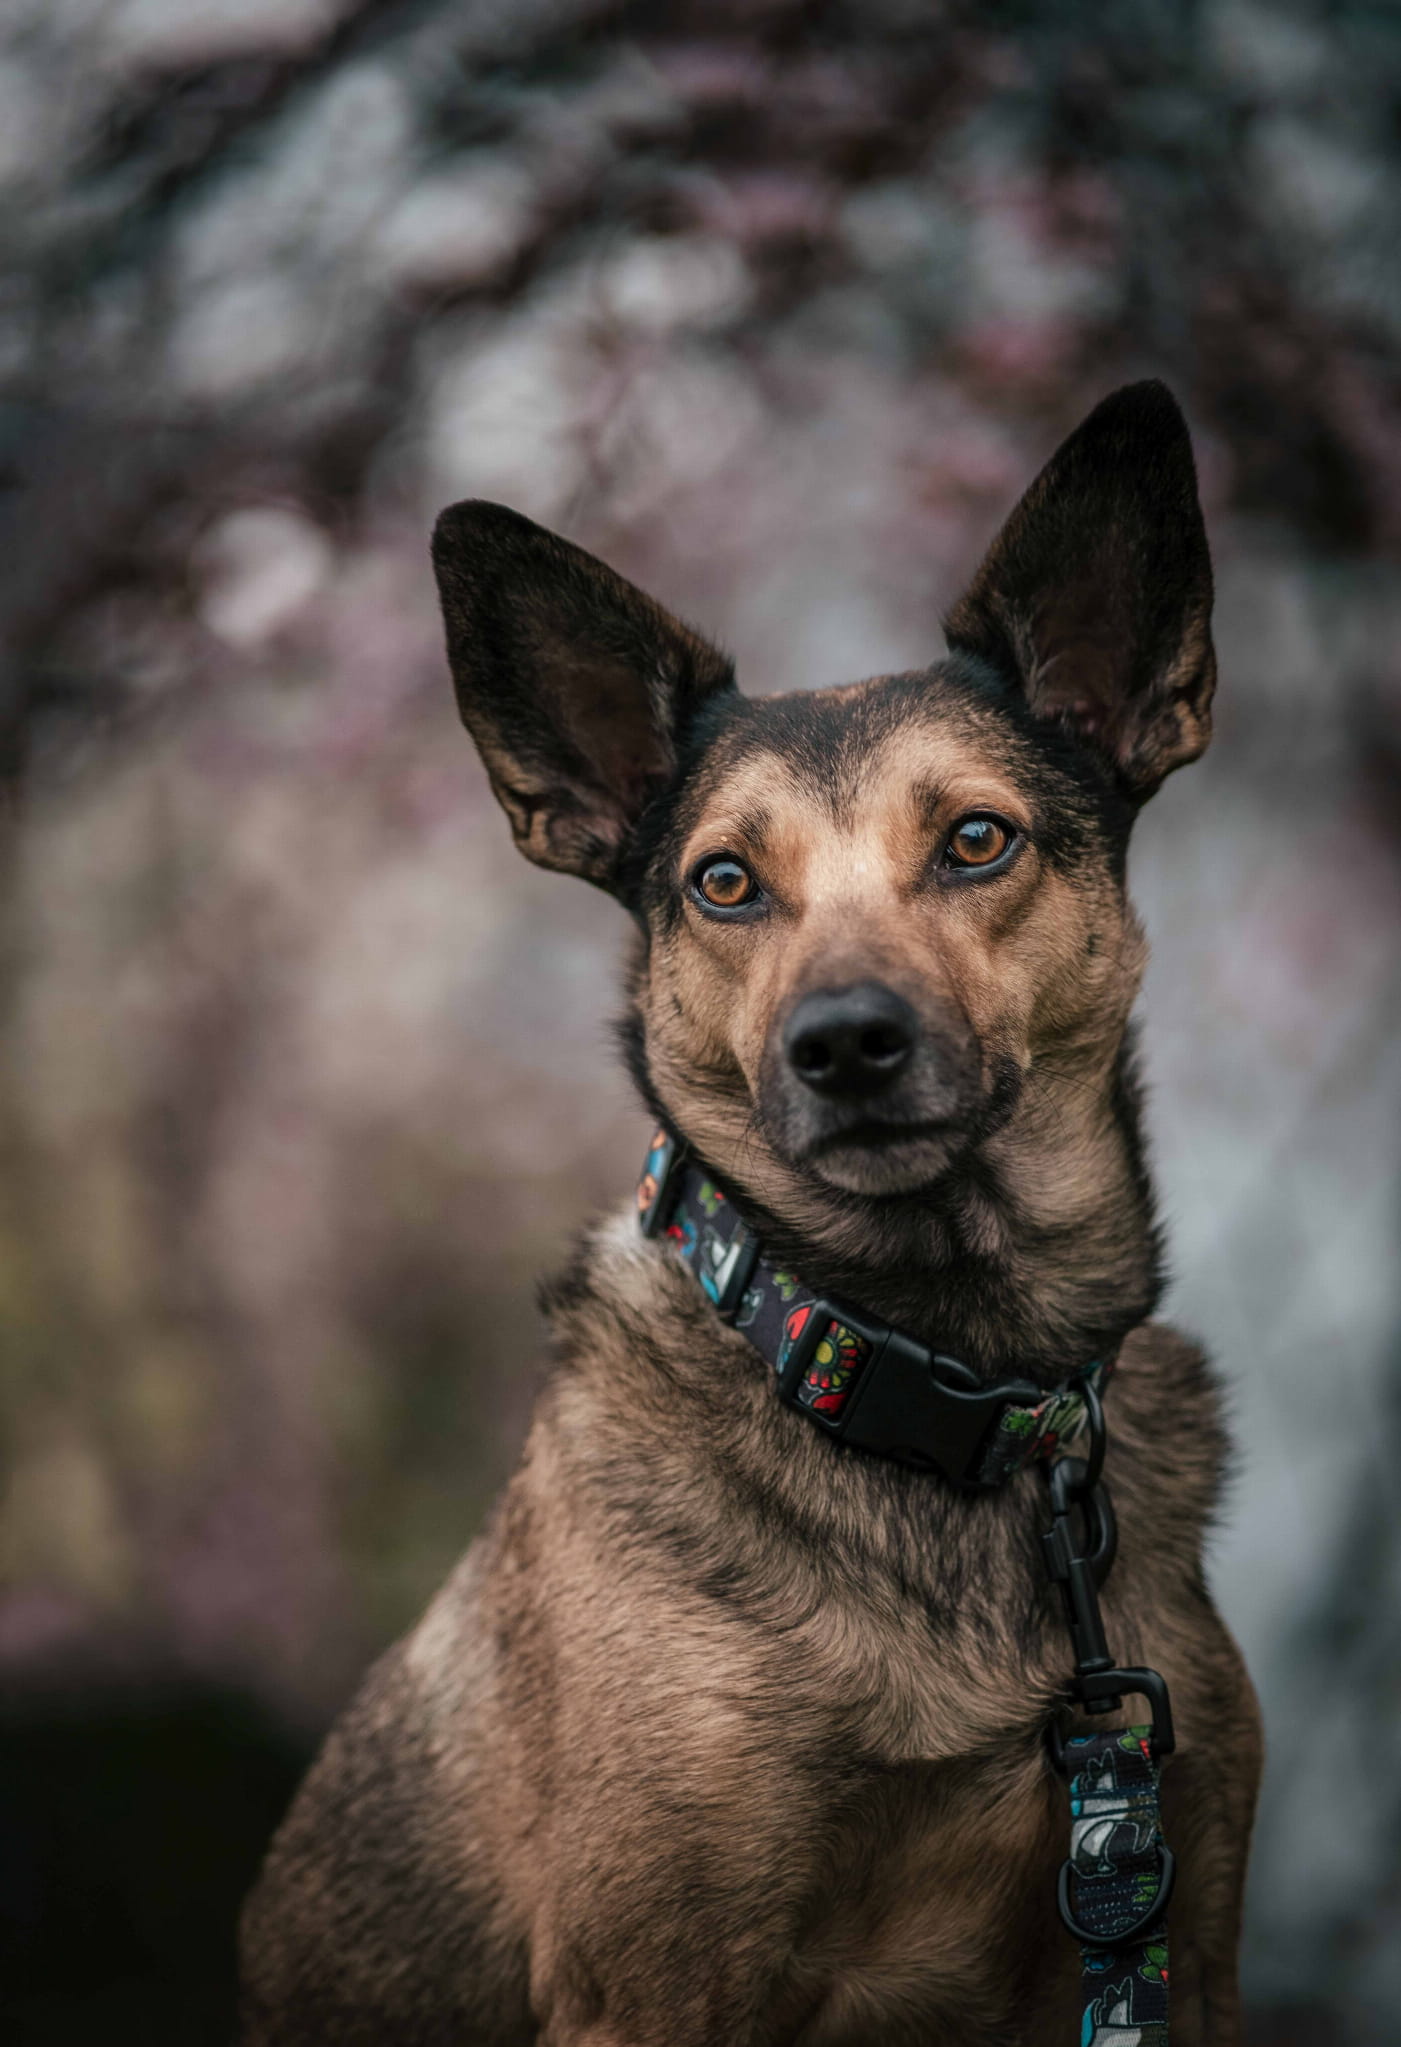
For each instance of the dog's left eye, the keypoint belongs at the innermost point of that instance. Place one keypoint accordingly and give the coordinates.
(977, 841)
(725, 883)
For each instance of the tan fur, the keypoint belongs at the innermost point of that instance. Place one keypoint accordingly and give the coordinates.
(603, 1739)
(626, 1757)
(726, 1735)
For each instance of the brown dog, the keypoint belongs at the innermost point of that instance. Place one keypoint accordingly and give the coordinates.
(726, 1731)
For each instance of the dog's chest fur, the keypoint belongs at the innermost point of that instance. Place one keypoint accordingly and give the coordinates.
(717, 1707)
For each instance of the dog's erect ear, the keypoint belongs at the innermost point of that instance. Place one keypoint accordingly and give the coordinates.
(576, 687)
(1096, 595)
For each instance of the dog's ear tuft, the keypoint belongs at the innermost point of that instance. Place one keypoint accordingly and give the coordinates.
(576, 687)
(1095, 598)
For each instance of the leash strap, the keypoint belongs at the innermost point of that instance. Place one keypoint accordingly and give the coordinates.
(1116, 1882)
(852, 1375)
(1112, 1881)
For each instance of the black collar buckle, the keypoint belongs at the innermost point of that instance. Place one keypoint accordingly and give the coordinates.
(915, 1406)
(910, 1404)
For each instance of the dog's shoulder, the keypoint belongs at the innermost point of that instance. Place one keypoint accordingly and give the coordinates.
(1167, 1407)
(384, 1864)
(1170, 1456)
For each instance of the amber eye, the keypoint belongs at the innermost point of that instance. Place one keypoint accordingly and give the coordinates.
(724, 884)
(977, 842)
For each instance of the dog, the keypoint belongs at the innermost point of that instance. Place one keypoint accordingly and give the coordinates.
(729, 1729)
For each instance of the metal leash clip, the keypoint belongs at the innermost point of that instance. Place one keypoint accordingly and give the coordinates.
(1079, 1568)
(1079, 1565)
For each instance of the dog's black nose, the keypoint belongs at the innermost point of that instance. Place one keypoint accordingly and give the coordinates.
(851, 1041)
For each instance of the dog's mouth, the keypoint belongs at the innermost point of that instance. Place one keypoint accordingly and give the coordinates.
(884, 1155)
(877, 1134)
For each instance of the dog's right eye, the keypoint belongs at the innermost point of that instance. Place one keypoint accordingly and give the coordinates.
(724, 883)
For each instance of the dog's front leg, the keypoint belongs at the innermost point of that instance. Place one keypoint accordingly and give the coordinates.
(567, 2033)
(690, 1975)
(655, 2025)
(653, 2007)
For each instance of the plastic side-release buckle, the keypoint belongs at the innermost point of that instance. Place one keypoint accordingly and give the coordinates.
(916, 1406)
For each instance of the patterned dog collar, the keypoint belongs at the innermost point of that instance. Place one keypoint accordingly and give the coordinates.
(853, 1376)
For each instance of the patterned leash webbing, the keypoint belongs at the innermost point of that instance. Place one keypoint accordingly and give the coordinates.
(1112, 1878)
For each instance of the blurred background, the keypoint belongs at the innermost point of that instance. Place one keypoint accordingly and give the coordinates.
(305, 1075)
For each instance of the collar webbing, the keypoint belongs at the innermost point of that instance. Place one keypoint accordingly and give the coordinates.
(854, 1376)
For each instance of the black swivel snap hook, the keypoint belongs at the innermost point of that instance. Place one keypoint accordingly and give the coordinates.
(1079, 1565)
(1079, 1562)
(1079, 1547)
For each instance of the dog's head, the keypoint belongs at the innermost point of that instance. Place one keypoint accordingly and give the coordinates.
(873, 915)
